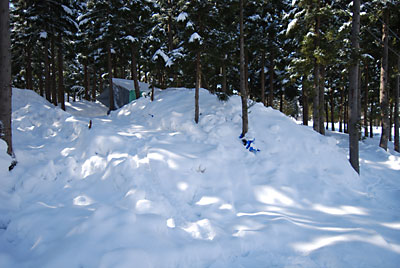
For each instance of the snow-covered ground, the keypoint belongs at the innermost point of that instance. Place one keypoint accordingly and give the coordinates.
(147, 187)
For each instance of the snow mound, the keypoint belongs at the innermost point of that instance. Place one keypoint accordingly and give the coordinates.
(149, 186)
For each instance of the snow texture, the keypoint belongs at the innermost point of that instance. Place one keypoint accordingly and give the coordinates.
(147, 187)
(182, 16)
(194, 37)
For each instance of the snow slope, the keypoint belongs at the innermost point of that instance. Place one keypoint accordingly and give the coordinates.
(147, 187)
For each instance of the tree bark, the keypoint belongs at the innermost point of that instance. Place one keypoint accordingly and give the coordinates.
(316, 115)
(224, 80)
(243, 93)
(94, 86)
(86, 79)
(262, 78)
(390, 120)
(341, 117)
(110, 76)
(366, 103)
(47, 81)
(53, 72)
(383, 91)
(305, 102)
(5, 77)
(197, 90)
(61, 90)
(371, 120)
(321, 97)
(354, 90)
(332, 110)
(29, 77)
(396, 108)
(271, 80)
(134, 71)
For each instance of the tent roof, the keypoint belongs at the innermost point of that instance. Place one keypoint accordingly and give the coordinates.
(129, 85)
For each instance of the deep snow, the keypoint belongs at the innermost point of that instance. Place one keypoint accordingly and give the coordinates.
(147, 187)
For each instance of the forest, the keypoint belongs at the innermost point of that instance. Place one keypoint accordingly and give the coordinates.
(259, 133)
(297, 54)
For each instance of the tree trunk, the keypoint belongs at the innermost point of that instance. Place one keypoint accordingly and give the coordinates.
(61, 98)
(169, 27)
(316, 116)
(198, 81)
(281, 102)
(354, 90)
(371, 120)
(396, 108)
(134, 71)
(94, 86)
(243, 93)
(29, 78)
(341, 118)
(224, 80)
(262, 78)
(316, 99)
(390, 120)
(332, 110)
(383, 91)
(41, 85)
(47, 81)
(326, 114)
(110, 76)
(271, 80)
(53, 72)
(305, 102)
(5, 76)
(366, 103)
(321, 97)
(246, 71)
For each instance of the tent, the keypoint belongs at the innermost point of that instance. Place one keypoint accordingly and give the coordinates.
(124, 92)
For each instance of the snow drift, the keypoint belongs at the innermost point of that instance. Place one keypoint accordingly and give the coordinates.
(147, 187)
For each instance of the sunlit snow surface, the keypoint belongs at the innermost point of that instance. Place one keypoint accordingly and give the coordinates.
(147, 187)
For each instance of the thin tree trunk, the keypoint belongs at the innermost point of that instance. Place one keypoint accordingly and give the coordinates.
(326, 114)
(332, 110)
(262, 78)
(134, 71)
(316, 99)
(47, 81)
(198, 81)
(29, 78)
(245, 120)
(246, 71)
(390, 120)
(316, 115)
(321, 97)
(5, 77)
(41, 85)
(354, 90)
(396, 109)
(169, 27)
(94, 86)
(61, 98)
(271, 80)
(53, 72)
(383, 91)
(281, 102)
(305, 102)
(371, 119)
(110, 76)
(366, 103)
(86, 79)
(224, 80)
(341, 118)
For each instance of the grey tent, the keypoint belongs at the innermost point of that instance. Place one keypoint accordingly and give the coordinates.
(124, 92)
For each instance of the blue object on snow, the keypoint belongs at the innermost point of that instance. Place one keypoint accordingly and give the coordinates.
(248, 143)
